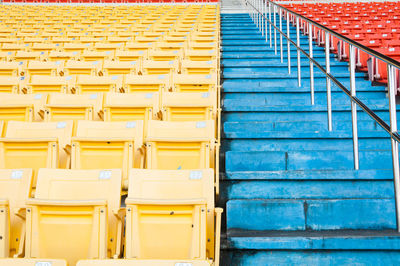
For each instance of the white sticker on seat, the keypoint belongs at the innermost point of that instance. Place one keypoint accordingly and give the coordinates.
(196, 174)
(131, 124)
(43, 263)
(201, 124)
(148, 95)
(205, 95)
(105, 174)
(93, 96)
(16, 174)
(183, 264)
(61, 124)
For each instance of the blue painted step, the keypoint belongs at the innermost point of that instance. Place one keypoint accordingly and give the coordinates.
(291, 194)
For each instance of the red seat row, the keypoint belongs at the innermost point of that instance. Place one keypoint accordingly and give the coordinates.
(375, 25)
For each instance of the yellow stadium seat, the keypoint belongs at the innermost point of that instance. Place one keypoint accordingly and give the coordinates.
(96, 55)
(179, 145)
(44, 47)
(194, 83)
(61, 106)
(5, 56)
(32, 262)
(108, 144)
(75, 47)
(25, 56)
(138, 46)
(108, 46)
(180, 106)
(203, 45)
(42, 68)
(156, 214)
(201, 55)
(61, 40)
(145, 83)
(15, 188)
(130, 106)
(10, 47)
(131, 55)
(34, 102)
(9, 69)
(72, 67)
(94, 84)
(9, 84)
(134, 262)
(62, 56)
(48, 84)
(77, 212)
(199, 67)
(165, 55)
(120, 68)
(150, 67)
(35, 145)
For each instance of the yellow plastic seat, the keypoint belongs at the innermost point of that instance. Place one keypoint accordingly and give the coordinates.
(165, 55)
(75, 47)
(151, 67)
(9, 84)
(35, 145)
(180, 106)
(199, 67)
(74, 107)
(62, 56)
(120, 67)
(179, 145)
(203, 45)
(108, 144)
(5, 56)
(82, 68)
(134, 262)
(32, 262)
(108, 46)
(94, 84)
(25, 56)
(15, 188)
(43, 68)
(44, 47)
(77, 212)
(131, 55)
(48, 84)
(22, 103)
(156, 214)
(13, 47)
(9, 69)
(194, 83)
(96, 55)
(145, 83)
(201, 55)
(138, 46)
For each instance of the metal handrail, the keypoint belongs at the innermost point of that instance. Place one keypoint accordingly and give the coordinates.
(261, 20)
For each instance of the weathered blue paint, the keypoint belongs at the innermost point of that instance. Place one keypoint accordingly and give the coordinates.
(289, 189)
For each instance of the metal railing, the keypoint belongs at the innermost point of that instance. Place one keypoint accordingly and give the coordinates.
(261, 12)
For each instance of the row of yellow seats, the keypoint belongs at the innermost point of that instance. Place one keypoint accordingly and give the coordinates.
(97, 144)
(119, 55)
(76, 215)
(84, 84)
(66, 46)
(167, 106)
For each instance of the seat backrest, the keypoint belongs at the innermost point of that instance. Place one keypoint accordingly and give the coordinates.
(9, 68)
(130, 106)
(145, 83)
(15, 187)
(194, 82)
(48, 84)
(35, 100)
(187, 131)
(104, 130)
(163, 184)
(32, 262)
(72, 67)
(196, 106)
(120, 67)
(73, 106)
(95, 84)
(67, 184)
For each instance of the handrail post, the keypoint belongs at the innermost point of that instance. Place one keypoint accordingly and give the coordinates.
(298, 52)
(352, 59)
(280, 34)
(262, 18)
(288, 43)
(310, 45)
(395, 144)
(276, 49)
(328, 80)
(266, 22)
(270, 24)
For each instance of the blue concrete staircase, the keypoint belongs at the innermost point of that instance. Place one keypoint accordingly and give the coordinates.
(289, 189)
